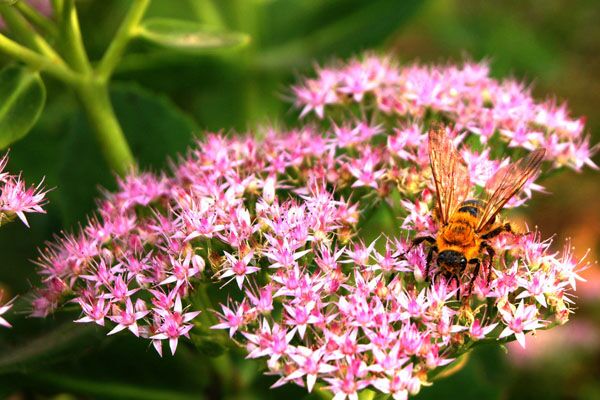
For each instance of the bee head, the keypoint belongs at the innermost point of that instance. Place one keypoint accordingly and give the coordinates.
(452, 260)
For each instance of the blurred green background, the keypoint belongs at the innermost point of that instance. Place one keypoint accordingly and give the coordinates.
(163, 99)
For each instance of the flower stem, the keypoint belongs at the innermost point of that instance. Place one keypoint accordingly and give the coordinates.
(126, 31)
(57, 6)
(36, 18)
(23, 30)
(90, 86)
(37, 61)
(71, 38)
(95, 99)
(209, 13)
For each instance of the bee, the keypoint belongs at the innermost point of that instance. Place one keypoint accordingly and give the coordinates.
(466, 225)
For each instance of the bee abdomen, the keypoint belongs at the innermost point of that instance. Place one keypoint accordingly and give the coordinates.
(474, 211)
(473, 207)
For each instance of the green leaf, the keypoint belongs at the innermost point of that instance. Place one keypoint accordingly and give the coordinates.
(86, 368)
(325, 29)
(22, 98)
(188, 36)
(155, 129)
(110, 390)
(39, 351)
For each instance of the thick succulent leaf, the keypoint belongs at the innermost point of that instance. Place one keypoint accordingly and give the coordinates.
(22, 98)
(188, 36)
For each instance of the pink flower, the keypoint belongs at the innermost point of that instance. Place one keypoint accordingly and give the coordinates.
(269, 342)
(174, 324)
(536, 286)
(399, 383)
(199, 219)
(127, 318)
(347, 386)
(94, 312)
(140, 189)
(309, 363)
(238, 268)
(317, 93)
(183, 270)
(18, 199)
(232, 320)
(299, 316)
(365, 173)
(415, 305)
(523, 318)
(477, 331)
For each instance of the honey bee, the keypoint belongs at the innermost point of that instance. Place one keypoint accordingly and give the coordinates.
(466, 225)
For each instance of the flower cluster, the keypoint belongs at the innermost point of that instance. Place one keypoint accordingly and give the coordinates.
(277, 224)
(16, 198)
(358, 316)
(136, 261)
(466, 95)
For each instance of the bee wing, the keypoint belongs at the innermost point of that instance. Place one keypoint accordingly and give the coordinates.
(450, 173)
(507, 182)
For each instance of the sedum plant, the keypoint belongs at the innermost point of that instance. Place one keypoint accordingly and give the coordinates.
(297, 246)
(276, 241)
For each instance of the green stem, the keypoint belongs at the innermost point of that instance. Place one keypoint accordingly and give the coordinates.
(208, 12)
(37, 61)
(91, 88)
(36, 18)
(126, 31)
(248, 15)
(21, 28)
(95, 98)
(72, 39)
(57, 6)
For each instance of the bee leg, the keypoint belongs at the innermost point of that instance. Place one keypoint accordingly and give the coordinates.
(418, 240)
(507, 227)
(477, 263)
(457, 285)
(491, 253)
(432, 249)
